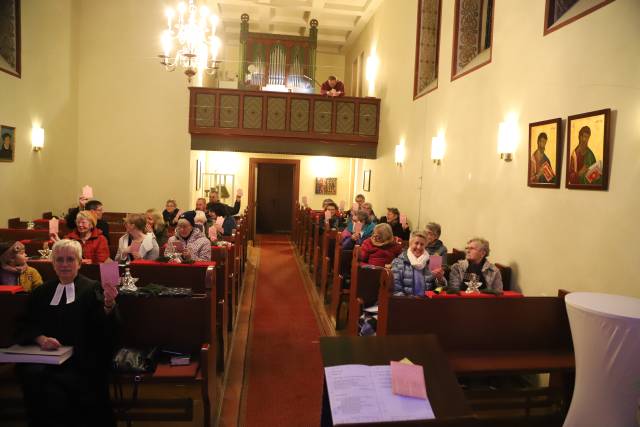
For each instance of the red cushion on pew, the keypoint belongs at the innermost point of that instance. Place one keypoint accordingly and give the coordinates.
(167, 371)
(10, 289)
(174, 264)
(505, 294)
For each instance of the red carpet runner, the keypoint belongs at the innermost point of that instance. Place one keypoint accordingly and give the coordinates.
(283, 363)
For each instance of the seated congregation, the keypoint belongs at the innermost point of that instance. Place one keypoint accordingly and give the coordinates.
(189, 262)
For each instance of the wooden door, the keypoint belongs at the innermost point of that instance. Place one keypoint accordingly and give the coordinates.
(274, 198)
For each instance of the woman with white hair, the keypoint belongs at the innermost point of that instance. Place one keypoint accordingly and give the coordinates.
(70, 310)
(411, 274)
(476, 263)
(94, 244)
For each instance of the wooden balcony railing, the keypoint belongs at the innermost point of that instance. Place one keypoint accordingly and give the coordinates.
(276, 122)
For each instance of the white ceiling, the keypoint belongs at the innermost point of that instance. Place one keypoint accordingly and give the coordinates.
(340, 21)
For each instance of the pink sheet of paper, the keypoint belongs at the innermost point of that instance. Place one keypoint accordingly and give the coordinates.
(54, 226)
(134, 247)
(355, 207)
(87, 192)
(357, 227)
(178, 246)
(304, 200)
(213, 234)
(327, 215)
(403, 219)
(435, 262)
(408, 380)
(220, 220)
(109, 273)
(239, 192)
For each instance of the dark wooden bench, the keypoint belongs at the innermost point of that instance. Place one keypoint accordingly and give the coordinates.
(341, 269)
(364, 291)
(494, 337)
(154, 322)
(326, 265)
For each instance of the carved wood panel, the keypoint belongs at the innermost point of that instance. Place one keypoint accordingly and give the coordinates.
(252, 118)
(205, 108)
(276, 113)
(345, 117)
(229, 110)
(322, 116)
(299, 115)
(367, 120)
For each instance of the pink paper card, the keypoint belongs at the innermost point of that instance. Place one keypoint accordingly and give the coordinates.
(403, 219)
(435, 262)
(213, 234)
(109, 273)
(408, 380)
(327, 215)
(134, 247)
(239, 193)
(220, 220)
(54, 226)
(341, 205)
(357, 228)
(178, 246)
(355, 207)
(87, 192)
(304, 201)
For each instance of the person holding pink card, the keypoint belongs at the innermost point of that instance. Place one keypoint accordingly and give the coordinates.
(331, 218)
(434, 244)
(398, 223)
(137, 243)
(358, 231)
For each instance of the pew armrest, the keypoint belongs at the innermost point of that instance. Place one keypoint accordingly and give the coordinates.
(511, 362)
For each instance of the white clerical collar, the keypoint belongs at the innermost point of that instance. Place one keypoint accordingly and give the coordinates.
(69, 291)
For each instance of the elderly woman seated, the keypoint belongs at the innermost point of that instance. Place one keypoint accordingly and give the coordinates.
(411, 274)
(475, 266)
(219, 210)
(381, 248)
(330, 219)
(14, 269)
(393, 219)
(94, 244)
(137, 243)
(351, 236)
(69, 310)
(171, 212)
(434, 244)
(156, 225)
(189, 242)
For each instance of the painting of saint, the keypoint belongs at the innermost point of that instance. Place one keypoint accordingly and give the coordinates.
(545, 151)
(588, 151)
(7, 147)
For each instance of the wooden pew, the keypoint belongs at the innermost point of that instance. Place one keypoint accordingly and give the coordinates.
(221, 255)
(328, 252)
(7, 234)
(341, 269)
(154, 322)
(15, 223)
(115, 217)
(363, 292)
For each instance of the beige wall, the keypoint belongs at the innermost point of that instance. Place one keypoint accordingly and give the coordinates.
(45, 95)
(133, 116)
(579, 240)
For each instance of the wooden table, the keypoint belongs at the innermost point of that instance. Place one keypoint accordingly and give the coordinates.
(446, 397)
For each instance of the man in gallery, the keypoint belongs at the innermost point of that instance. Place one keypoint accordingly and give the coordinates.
(332, 87)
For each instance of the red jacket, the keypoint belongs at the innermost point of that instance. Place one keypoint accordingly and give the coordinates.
(379, 255)
(96, 248)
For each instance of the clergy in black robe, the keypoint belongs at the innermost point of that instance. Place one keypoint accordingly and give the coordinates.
(75, 393)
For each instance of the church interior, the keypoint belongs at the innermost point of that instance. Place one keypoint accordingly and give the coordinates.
(502, 122)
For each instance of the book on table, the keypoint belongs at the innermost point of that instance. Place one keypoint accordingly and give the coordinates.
(34, 354)
(364, 394)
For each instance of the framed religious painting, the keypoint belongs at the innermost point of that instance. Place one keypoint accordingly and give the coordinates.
(327, 186)
(545, 154)
(588, 150)
(10, 61)
(8, 146)
(425, 77)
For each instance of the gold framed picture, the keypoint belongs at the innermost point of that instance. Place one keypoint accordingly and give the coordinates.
(545, 154)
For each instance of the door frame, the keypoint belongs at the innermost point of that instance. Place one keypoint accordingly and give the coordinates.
(253, 165)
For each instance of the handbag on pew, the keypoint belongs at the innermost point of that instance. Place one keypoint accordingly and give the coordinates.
(135, 361)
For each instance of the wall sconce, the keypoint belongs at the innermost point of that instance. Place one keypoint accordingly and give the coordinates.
(437, 149)
(37, 138)
(400, 152)
(507, 139)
